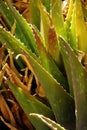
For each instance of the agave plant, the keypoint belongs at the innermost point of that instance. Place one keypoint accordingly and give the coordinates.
(43, 66)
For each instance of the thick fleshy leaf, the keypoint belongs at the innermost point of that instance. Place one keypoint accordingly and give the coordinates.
(9, 20)
(13, 44)
(7, 37)
(47, 61)
(5, 14)
(51, 124)
(77, 78)
(70, 24)
(46, 3)
(25, 28)
(61, 102)
(30, 104)
(53, 46)
(73, 38)
(81, 27)
(34, 13)
(45, 21)
(67, 22)
(52, 68)
(48, 31)
(57, 17)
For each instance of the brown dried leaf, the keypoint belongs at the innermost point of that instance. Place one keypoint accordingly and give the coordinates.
(53, 47)
(20, 116)
(16, 112)
(28, 78)
(85, 59)
(26, 14)
(13, 27)
(40, 91)
(2, 72)
(7, 124)
(26, 122)
(2, 51)
(6, 112)
(29, 67)
(21, 6)
(25, 77)
(15, 79)
(52, 35)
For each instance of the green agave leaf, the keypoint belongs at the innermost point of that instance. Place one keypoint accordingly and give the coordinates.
(47, 61)
(9, 20)
(25, 28)
(45, 21)
(73, 38)
(61, 102)
(51, 124)
(70, 24)
(57, 17)
(46, 3)
(34, 13)
(41, 49)
(13, 44)
(5, 14)
(68, 19)
(78, 81)
(81, 27)
(50, 37)
(29, 104)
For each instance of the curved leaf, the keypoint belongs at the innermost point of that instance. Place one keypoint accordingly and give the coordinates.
(61, 102)
(51, 124)
(9, 19)
(47, 61)
(25, 28)
(67, 22)
(77, 78)
(49, 33)
(73, 38)
(29, 104)
(14, 44)
(34, 13)
(57, 17)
